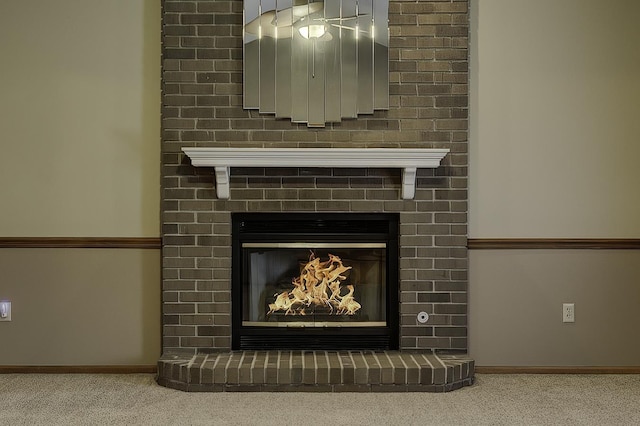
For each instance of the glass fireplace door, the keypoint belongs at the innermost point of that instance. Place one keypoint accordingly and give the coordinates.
(314, 284)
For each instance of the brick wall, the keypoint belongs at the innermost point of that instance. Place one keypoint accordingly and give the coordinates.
(202, 106)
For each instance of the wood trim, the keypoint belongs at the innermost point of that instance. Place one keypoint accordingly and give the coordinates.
(81, 242)
(78, 369)
(409, 160)
(553, 243)
(152, 369)
(557, 370)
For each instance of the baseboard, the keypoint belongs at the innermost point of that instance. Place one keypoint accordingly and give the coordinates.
(557, 370)
(78, 369)
(152, 369)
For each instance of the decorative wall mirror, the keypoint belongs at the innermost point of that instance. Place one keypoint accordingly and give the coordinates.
(316, 61)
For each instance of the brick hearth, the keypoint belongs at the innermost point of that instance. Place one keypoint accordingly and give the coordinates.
(316, 371)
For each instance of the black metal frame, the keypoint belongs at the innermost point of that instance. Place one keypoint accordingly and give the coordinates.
(326, 227)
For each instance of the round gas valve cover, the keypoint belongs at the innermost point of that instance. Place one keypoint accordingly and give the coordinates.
(423, 317)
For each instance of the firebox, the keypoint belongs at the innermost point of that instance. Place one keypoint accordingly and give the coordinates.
(315, 281)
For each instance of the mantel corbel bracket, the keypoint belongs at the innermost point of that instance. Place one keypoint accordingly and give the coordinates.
(409, 183)
(222, 182)
(409, 160)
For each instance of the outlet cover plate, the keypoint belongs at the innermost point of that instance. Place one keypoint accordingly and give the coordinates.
(568, 312)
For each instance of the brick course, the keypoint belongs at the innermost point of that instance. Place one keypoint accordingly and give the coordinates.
(202, 106)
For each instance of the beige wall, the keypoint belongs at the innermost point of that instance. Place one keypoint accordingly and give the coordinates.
(81, 307)
(516, 299)
(80, 110)
(555, 134)
(80, 120)
(554, 143)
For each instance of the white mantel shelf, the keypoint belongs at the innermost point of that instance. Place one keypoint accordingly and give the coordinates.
(409, 160)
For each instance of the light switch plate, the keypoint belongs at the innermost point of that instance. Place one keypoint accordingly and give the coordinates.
(5, 311)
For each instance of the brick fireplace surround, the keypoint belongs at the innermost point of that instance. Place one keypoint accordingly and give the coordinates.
(202, 107)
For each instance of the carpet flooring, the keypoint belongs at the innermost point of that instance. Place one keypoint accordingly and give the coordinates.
(84, 399)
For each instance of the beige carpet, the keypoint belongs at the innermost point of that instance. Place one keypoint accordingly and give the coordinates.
(36, 399)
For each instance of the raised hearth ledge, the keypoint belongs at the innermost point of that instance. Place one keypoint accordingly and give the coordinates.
(316, 371)
(409, 160)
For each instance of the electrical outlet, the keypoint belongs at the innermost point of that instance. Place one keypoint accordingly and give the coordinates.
(568, 312)
(5, 311)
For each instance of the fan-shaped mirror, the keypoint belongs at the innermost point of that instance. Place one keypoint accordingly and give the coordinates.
(316, 61)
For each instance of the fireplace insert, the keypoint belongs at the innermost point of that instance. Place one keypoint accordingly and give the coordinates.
(314, 281)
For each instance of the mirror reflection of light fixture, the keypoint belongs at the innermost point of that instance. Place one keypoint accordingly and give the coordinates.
(312, 31)
(316, 61)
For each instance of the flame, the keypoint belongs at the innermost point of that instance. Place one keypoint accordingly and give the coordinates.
(317, 285)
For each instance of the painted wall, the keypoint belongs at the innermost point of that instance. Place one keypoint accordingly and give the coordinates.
(554, 143)
(80, 120)
(81, 307)
(554, 134)
(79, 110)
(516, 299)
(555, 129)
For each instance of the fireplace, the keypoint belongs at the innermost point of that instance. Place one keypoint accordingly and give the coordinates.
(314, 281)
(239, 162)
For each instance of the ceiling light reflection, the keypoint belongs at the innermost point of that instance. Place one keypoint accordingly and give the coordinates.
(312, 31)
